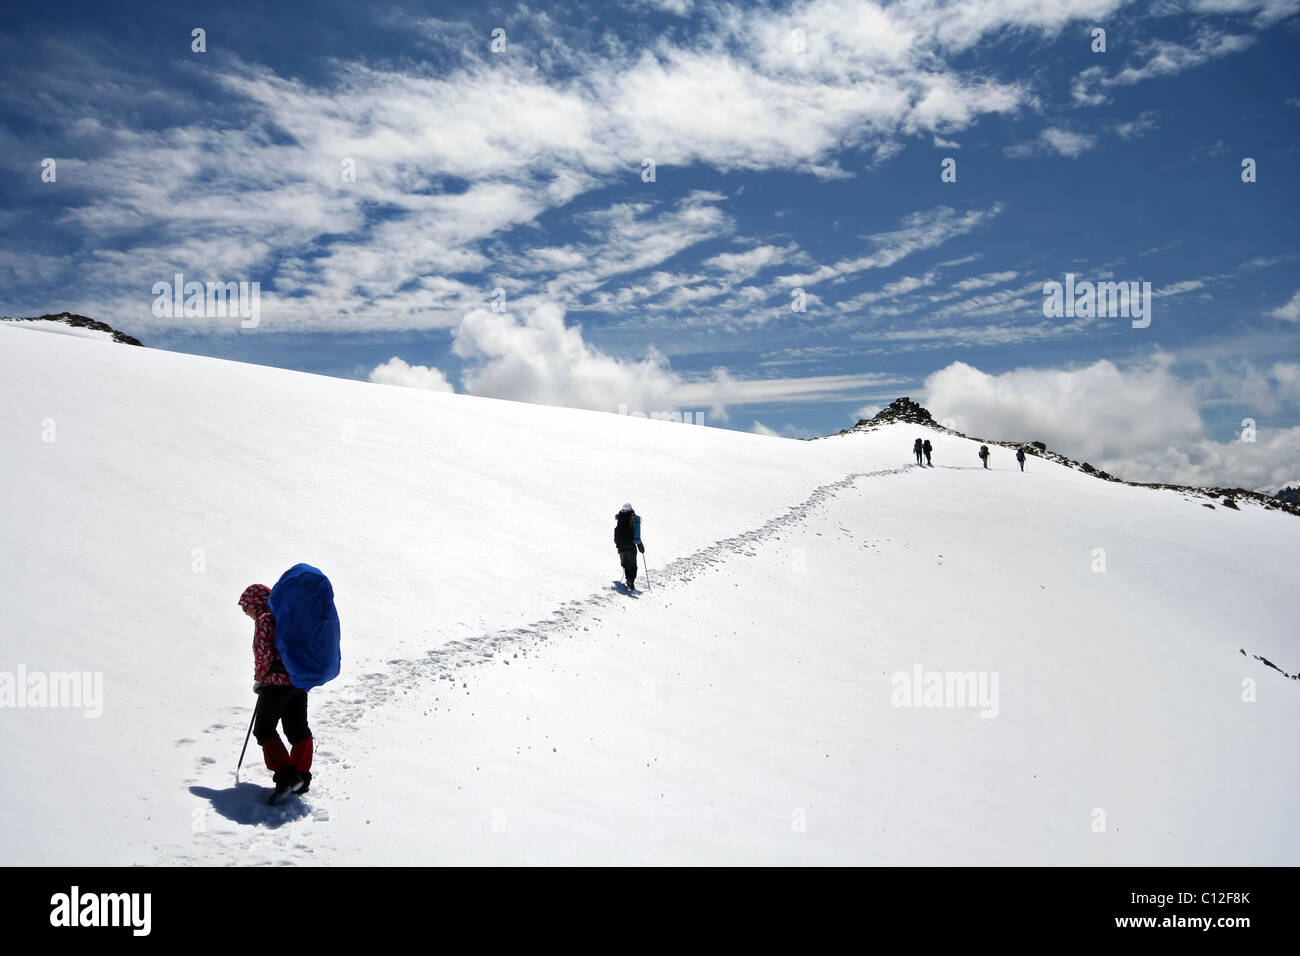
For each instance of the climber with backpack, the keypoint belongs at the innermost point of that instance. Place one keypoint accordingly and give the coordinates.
(917, 449)
(627, 539)
(928, 448)
(984, 455)
(295, 649)
(1020, 457)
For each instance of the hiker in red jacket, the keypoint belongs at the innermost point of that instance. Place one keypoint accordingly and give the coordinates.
(278, 700)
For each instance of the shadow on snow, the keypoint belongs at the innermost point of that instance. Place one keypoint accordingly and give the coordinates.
(245, 803)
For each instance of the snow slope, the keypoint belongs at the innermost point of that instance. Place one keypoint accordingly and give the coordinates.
(501, 703)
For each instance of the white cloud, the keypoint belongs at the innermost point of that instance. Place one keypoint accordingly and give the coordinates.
(892, 290)
(1053, 140)
(1096, 412)
(742, 265)
(397, 372)
(984, 281)
(678, 7)
(1290, 311)
(759, 391)
(539, 359)
(1161, 58)
(1178, 288)
(522, 136)
(1266, 11)
(918, 231)
(1136, 128)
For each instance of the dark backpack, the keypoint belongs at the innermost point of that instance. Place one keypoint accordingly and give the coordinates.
(625, 530)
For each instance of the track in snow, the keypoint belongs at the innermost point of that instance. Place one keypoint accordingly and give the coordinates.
(282, 834)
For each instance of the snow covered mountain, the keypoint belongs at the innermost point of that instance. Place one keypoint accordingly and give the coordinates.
(839, 658)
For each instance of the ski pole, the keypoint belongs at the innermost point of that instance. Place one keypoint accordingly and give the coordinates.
(246, 736)
(647, 568)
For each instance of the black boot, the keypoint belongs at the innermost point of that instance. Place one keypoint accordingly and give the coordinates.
(287, 780)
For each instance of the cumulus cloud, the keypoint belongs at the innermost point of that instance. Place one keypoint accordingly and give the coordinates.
(539, 359)
(1095, 412)
(1140, 423)
(1290, 311)
(397, 372)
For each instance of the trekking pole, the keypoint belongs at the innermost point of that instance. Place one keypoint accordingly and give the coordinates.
(647, 569)
(246, 736)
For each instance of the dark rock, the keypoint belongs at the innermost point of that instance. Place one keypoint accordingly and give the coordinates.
(1039, 445)
(903, 410)
(82, 322)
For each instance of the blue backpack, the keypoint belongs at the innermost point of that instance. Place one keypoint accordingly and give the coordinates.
(306, 626)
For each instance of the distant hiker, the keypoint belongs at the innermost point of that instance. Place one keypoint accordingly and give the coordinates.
(918, 449)
(1020, 457)
(627, 539)
(984, 455)
(927, 448)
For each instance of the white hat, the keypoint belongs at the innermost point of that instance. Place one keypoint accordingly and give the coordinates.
(624, 508)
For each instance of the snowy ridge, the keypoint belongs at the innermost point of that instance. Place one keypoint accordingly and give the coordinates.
(904, 410)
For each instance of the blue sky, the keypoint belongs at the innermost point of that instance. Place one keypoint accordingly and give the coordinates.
(795, 147)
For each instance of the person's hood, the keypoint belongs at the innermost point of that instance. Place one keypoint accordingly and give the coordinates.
(255, 598)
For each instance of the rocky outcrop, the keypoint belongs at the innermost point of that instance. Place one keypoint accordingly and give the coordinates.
(80, 322)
